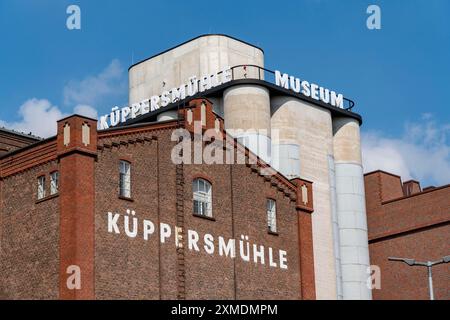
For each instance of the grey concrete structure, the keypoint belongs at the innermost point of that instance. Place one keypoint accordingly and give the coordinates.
(201, 56)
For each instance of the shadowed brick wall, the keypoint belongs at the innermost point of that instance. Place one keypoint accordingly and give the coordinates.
(408, 225)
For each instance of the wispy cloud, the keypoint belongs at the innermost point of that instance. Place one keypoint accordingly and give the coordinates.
(93, 89)
(86, 111)
(39, 116)
(422, 152)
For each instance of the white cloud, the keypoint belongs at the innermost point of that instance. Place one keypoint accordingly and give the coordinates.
(93, 89)
(421, 153)
(38, 116)
(85, 110)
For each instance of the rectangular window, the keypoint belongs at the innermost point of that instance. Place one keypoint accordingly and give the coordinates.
(54, 182)
(202, 197)
(272, 215)
(41, 188)
(125, 179)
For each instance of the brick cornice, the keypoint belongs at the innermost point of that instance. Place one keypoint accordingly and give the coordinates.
(381, 171)
(79, 150)
(416, 194)
(137, 140)
(416, 228)
(122, 131)
(28, 158)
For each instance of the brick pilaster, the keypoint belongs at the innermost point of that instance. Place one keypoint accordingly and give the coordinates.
(77, 150)
(305, 238)
(200, 110)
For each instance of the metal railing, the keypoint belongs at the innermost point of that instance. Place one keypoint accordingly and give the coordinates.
(251, 71)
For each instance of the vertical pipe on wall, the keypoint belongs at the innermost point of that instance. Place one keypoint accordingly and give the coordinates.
(158, 214)
(351, 210)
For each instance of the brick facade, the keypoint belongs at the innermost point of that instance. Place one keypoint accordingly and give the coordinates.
(40, 239)
(29, 233)
(406, 222)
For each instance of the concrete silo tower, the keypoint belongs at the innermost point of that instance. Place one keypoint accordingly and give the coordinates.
(247, 117)
(319, 144)
(351, 209)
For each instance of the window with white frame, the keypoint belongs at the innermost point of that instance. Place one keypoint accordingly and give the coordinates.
(125, 179)
(41, 187)
(202, 192)
(54, 182)
(272, 215)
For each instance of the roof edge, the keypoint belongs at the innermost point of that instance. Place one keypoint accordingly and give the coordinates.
(382, 171)
(20, 134)
(195, 38)
(416, 194)
(25, 148)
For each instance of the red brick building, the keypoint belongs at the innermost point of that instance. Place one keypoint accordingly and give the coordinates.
(106, 214)
(408, 222)
(12, 140)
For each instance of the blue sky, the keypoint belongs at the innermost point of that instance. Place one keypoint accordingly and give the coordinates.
(398, 76)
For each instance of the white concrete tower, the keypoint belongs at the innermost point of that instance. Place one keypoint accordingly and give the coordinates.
(351, 209)
(201, 56)
(247, 117)
(308, 128)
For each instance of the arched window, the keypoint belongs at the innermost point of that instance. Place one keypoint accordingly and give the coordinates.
(125, 179)
(202, 196)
